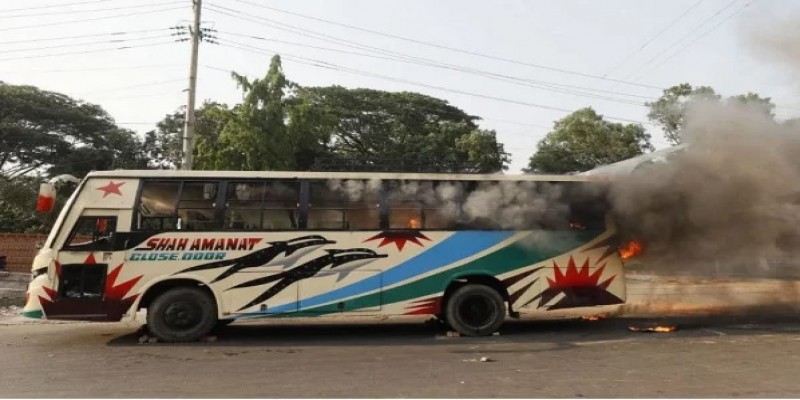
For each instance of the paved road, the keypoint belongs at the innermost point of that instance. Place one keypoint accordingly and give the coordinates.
(718, 356)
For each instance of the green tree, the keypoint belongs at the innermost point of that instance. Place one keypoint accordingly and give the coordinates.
(583, 140)
(50, 132)
(751, 99)
(255, 138)
(377, 125)
(670, 109)
(164, 147)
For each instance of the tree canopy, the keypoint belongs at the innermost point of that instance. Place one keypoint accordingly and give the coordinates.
(280, 125)
(584, 140)
(669, 110)
(52, 133)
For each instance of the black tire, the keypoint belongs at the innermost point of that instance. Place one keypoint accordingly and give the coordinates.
(475, 310)
(183, 314)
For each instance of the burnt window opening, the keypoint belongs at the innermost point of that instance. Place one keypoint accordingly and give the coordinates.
(423, 204)
(92, 234)
(82, 281)
(345, 205)
(176, 205)
(272, 205)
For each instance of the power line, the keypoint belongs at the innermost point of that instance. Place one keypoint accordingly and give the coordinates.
(55, 5)
(675, 43)
(88, 51)
(654, 37)
(91, 10)
(120, 33)
(543, 85)
(443, 47)
(49, 24)
(82, 44)
(395, 56)
(27, 71)
(696, 39)
(138, 85)
(327, 65)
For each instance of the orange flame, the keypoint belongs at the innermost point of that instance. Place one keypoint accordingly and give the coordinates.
(414, 223)
(632, 249)
(596, 317)
(654, 329)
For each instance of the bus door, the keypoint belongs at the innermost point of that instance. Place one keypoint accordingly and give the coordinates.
(84, 263)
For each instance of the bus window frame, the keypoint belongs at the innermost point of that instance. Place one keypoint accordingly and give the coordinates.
(224, 183)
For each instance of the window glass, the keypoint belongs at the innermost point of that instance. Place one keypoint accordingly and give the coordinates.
(348, 205)
(262, 205)
(423, 204)
(157, 205)
(92, 234)
(196, 206)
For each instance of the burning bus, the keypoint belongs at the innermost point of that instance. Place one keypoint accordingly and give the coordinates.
(198, 249)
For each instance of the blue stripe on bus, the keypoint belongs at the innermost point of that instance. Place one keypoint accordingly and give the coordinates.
(456, 247)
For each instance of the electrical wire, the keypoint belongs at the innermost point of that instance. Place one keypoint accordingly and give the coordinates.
(90, 10)
(696, 39)
(654, 37)
(83, 44)
(50, 24)
(55, 5)
(96, 68)
(544, 85)
(675, 43)
(120, 33)
(136, 86)
(327, 65)
(88, 51)
(453, 49)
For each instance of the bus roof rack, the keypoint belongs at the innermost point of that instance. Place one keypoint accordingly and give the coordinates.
(403, 164)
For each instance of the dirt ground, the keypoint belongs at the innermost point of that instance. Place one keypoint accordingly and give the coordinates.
(750, 350)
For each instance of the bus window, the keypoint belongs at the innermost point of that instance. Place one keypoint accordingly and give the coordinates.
(262, 205)
(196, 206)
(243, 202)
(422, 205)
(405, 215)
(157, 205)
(333, 207)
(92, 234)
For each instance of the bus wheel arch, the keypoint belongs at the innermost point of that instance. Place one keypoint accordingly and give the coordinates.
(482, 291)
(156, 289)
(180, 310)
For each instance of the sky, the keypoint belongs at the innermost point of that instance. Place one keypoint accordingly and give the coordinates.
(518, 64)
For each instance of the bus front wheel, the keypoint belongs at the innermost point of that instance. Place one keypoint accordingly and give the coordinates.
(475, 310)
(182, 314)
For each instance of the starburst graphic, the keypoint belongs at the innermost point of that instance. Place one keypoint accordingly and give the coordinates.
(577, 278)
(426, 306)
(579, 287)
(399, 238)
(111, 188)
(112, 306)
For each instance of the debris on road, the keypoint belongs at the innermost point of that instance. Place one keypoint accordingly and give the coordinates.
(9, 311)
(654, 329)
(596, 317)
(486, 359)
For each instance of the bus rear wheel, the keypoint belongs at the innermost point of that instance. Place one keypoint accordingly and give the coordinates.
(475, 310)
(182, 314)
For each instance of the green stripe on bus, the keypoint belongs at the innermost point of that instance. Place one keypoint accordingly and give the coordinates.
(516, 255)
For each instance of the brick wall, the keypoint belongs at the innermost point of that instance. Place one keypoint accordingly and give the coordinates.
(19, 249)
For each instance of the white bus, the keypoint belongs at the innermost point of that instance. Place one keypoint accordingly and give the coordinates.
(197, 249)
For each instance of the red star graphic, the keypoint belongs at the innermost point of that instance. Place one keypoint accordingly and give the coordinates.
(111, 188)
(399, 238)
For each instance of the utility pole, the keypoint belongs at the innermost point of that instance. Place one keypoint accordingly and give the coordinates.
(188, 127)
